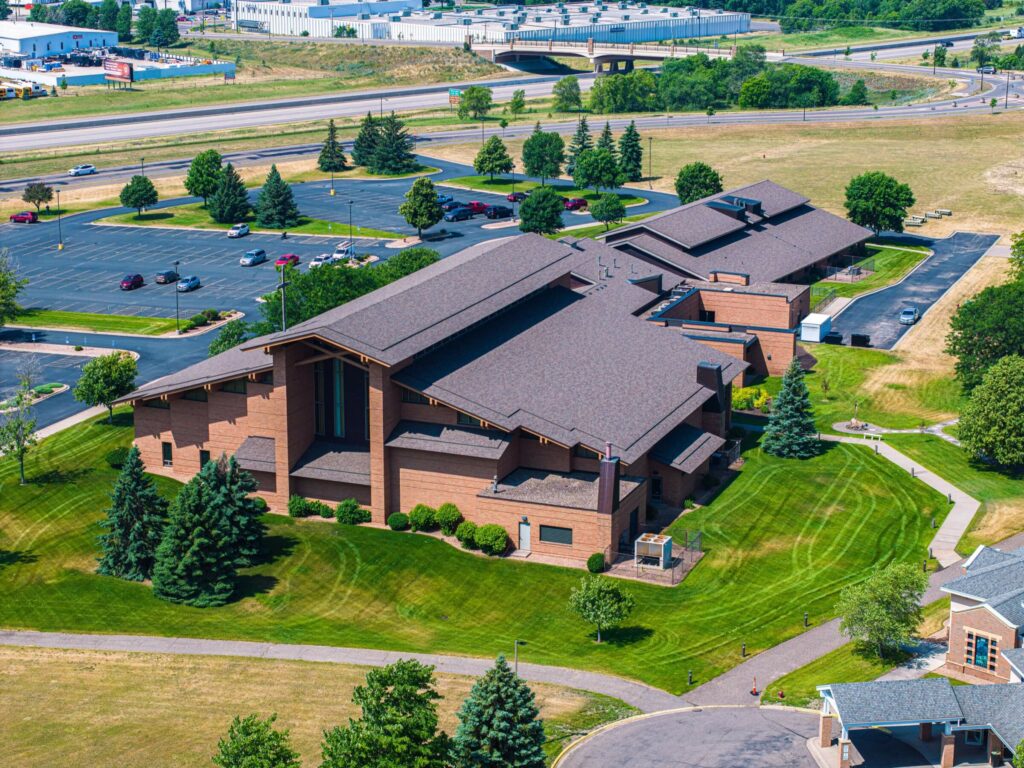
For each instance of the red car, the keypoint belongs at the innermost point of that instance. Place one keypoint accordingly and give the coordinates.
(130, 282)
(476, 206)
(288, 260)
(575, 204)
(25, 217)
(516, 197)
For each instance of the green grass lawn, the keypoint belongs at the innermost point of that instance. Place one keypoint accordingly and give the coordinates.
(1002, 496)
(889, 265)
(782, 538)
(503, 185)
(594, 230)
(194, 215)
(90, 321)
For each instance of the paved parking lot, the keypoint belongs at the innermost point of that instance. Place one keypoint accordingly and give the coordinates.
(45, 369)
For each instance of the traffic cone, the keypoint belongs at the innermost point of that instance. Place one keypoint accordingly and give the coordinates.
(754, 691)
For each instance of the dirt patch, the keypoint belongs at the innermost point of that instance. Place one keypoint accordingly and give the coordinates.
(1007, 177)
(1000, 519)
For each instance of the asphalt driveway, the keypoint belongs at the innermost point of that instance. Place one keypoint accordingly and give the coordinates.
(877, 314)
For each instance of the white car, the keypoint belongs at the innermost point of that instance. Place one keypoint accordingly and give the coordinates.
(238, 230)
(345, 250)
(82, 170)
(324, 259)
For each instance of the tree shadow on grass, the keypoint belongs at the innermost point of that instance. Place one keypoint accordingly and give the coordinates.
(273, 548)
(10, 557)
(154, 216)
(59, 476)
(251, 585)
(623, 636)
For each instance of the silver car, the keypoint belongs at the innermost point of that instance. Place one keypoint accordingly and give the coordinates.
(253, 257)
(82, 170)
(187, 284)
(909, 315)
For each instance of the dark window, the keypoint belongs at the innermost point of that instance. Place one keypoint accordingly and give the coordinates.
(168, 454)
(408, 396)
(199, 395)
(582, 452)
(468, 421)
(656, 488)
(266, 378)
(156, 404)
(204, 457)
(555, 535)
(706, 316)
(238, 386)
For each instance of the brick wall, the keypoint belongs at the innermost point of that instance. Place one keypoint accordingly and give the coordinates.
(979, 620)
(746, 309)
(780, 346)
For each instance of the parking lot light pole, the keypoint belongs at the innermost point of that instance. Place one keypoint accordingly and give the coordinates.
(142, 163)
(177, 316)
(650, 162)
(332, 182)
(281, 287)
(515, 653)
(60, 233)
(350, 219)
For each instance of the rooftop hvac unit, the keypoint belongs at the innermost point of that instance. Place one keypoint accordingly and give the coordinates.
(396, 18)
(538, 18)
(407, 12)
(653, 547)
(718, 10)
(436, 15)
(625, 17)
(566, 22)
(513, 26)
(594, 19)
(501, 13)
(674, 15)
(467, 22)
(479, 11)
(644, 12)
(363, 16)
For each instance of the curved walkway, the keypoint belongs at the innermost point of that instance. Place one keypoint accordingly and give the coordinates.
(643, 697)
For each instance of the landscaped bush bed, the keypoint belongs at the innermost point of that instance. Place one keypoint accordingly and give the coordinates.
(397, 521)
(299, 506)
(202, 319)
(491, 538)
(422, 518)
(466, 534)
(448, 518)
(751, 398)
(349, 512)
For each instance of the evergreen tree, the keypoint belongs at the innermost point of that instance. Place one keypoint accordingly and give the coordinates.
(541, 212)
(498, 724)
(231, 488)
(421, 209)
(393, 153)
(138, 193)
(255, 743)
(331, 157)
(366, 140)
(5, 9)
(135, 524)
(203, 176)
(790, 432)
(275, 207)
(195, 564)
(123, 25)
(493, 158)
(631, 153)
(581, 142)
(543, 154)
(607, 142)
(229, 204)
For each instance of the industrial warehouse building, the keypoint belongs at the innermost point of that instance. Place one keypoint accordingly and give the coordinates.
(34, 39)
(622, 22)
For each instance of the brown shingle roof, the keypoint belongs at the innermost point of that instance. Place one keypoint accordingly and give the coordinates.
(686, 448)
(336, 462)
(256, 454)
(448, 439)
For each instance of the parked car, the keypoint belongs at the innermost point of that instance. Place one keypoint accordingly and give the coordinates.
(253, 257)
(459, 214)
(238, 230)
(181, 19)
(131, 282)
(909, 315)
(443, 198)
(25, 217)
(325, 259)
(82, 170)
(345, 250)
(288, 260)
(451, 205)
(476, 206)
(167, 276)
(946, 43)
(498, 212)
(189, 283)
(517, 197)
(988, 69)
(575, 204)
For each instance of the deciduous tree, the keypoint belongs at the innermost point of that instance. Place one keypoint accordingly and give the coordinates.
(608, 209)
(790, 432)
(421, 209)
(139, 193)
(134, 524)
(541, 212)
(543, 154)
(106, 378)
(476, 101)
(566, 93)
(596, 168)
(986, 329)
(18, 426)
(108, 15)
(37, 193)
(992, 421)
(631, 153)
(499, 723)
(231, 334)
(5, 9)
(165, 29)
(858, 95)
(229, 204)
(517, 104)
(600, 601)
(203, 177)
(493, 158)
(1017, 256)
(697, 180)
(123, 25)
(10, 286)
(883, 611)
(146, 22)
(878, 201)
(255, 743)
(331, 157)
(275, 206)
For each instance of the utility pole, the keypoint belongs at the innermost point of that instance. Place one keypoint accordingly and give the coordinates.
(1006, 99)
(177, 315)
(142, 162)
(60, 234)
(650, 162)
(349, 219)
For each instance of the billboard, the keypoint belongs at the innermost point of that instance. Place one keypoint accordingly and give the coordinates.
(118, 71)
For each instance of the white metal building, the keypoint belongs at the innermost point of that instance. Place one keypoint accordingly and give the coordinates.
(35, 39)
(618, 22)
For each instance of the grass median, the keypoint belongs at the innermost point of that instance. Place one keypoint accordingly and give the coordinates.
(783, 537)
(503, 185)
(885, 265)
(96, 322)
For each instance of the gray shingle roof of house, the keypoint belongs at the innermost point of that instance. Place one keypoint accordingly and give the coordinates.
(1015, 657)
(896, 701)
(256, 454)
(228, 365)
(448, 439)
(996, 578)
(1011, 606)
(686, 447)
(788, 290)
(790, 235)
(578, 490)
(336, 462)
(1000, 707)
(984, 556)
(576, 368)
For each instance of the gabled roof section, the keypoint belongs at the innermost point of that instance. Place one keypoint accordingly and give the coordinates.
(257, 454)
(449, 439)
(686, 448)
(1000, 707)
(895, 701)
(1015, 658)
(989, 582)
(410, 315)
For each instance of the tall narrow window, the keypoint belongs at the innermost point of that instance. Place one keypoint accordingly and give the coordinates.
(168, 454)
(339, 397)
(366, 404)
(204, 458)
(319, 407)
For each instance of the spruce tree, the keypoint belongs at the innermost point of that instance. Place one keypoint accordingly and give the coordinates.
(791, 432)
(331, 157)
(581, 142)
(275, 207)
(393, 153)
(366, 140)
(195, 564)
(607, 142)
(231, 488)
(135, 524)
(498, 724)
(631, 153)
(230, 203)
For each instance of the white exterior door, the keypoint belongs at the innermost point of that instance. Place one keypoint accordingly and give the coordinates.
(524, 537)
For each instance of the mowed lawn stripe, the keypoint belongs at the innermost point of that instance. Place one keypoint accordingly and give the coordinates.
(783, 537)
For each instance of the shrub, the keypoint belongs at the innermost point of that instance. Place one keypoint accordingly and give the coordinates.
(318, 509)
(688, 502)
(298, 507)
(745, 398)
(595, 563)
(398, 521)
(188, 325)
(79, 347)
(466, 534)
(448, 518)
(491, 538)
(198, 321)
(422, 518)
(350, 513)
(260, 504)
(763, 402)
(211, 315)
(117, 457)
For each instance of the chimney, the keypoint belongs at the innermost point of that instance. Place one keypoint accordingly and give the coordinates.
(709, 376)
(608, 483)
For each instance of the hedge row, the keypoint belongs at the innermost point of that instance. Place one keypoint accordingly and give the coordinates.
(348, 511)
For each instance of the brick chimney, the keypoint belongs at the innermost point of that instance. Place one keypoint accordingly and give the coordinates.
(608, 483)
